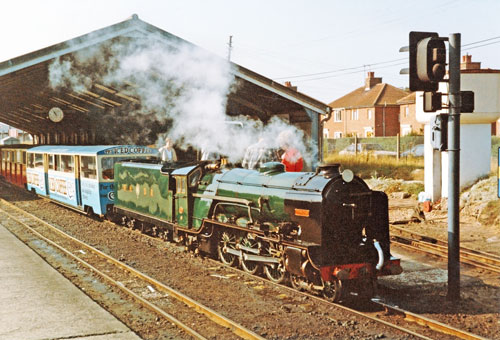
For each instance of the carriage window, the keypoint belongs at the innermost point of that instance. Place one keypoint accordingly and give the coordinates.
(88, 167)
(107, 165)
(64, 163)
(31, 160)
(8, 156)
(13, 156)
(57, 163)
(38, 162)
(24, 157)
(51, 162)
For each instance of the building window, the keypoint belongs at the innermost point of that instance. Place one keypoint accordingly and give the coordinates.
(405, 129)
(370, 112)
(407, 111)
(326, 133)
(368, 131)
(354, 115)
(337, 116)
(337, 134)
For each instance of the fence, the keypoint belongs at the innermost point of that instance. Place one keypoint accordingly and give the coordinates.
(387, 143)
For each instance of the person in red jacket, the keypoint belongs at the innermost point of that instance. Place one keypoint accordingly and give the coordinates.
(291, 158)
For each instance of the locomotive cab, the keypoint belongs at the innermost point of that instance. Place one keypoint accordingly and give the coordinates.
(186, 180)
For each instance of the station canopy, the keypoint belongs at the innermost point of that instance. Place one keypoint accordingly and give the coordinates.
(64, 94)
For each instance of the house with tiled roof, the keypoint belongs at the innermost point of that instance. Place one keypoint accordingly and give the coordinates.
(407, 116)
(369, 111)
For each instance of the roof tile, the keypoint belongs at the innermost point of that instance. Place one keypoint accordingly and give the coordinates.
(378, 95)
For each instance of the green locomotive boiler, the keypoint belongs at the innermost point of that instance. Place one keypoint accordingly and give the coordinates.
(324, 231)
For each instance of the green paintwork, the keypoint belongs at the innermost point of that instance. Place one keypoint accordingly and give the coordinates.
(181, 203)
(272, 187)
(142, 188)
(252, 185)
(202, 205)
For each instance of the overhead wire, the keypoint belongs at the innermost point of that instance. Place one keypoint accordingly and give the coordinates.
(343, 69)
(371, 66)
(353, 72)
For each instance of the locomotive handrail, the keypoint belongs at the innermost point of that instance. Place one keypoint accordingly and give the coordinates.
(381, 260)
(225, 199)
(249, 207)
(259, 185)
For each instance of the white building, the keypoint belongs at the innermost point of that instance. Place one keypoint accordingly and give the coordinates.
(475, 130)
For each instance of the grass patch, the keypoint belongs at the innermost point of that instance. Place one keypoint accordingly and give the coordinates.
(490, 214)
(495, 144)
(368, 166)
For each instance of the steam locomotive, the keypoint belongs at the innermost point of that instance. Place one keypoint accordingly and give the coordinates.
(324, 231)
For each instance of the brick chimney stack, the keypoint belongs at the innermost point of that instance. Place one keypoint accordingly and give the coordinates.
(371, 81)
(289, 84)
(467, 63)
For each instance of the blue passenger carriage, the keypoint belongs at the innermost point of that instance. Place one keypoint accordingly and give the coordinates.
(79, 176)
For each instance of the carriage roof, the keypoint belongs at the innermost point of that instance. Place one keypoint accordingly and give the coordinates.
(110, 150)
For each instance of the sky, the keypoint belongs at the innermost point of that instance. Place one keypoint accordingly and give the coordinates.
(325, 48)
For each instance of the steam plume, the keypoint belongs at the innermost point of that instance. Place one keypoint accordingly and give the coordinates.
(182, 92)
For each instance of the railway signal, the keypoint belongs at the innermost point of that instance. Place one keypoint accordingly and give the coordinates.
(427, 69)
(427, 61)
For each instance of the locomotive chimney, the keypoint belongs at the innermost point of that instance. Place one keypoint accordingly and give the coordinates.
(328, 170)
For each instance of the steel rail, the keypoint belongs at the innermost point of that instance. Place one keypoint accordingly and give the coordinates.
(208, 312)
(408, 316)
(432, 324)
(496, 258)
(437, 247)
(110, 280)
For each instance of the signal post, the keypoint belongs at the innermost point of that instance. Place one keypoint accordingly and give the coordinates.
(427, 69)
(454, 169)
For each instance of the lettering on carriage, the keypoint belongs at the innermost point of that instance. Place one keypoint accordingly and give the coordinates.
(106, 191)
(62, 186)
(34, 180)
(127, 150)
(88, 188)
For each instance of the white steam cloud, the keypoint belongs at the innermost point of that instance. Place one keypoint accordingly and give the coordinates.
(184, 86)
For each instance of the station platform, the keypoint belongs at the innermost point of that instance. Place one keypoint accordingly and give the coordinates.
(37, 302)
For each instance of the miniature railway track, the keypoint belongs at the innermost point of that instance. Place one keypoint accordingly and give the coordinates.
(396, 318)
(415, 241)
(131, 281)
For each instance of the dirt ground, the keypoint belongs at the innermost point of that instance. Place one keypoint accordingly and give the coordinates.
(277, 315)
(479, 214)
(479, 230)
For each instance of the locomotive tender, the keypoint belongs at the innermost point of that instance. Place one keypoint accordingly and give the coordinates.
(325, 231)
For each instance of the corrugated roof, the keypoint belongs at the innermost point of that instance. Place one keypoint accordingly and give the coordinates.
(102, 110)
(379, 95)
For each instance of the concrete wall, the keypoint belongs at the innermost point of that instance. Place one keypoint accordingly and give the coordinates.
(475, 135)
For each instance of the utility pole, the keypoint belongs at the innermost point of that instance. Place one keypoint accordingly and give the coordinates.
(454, 169)
(230, 47)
